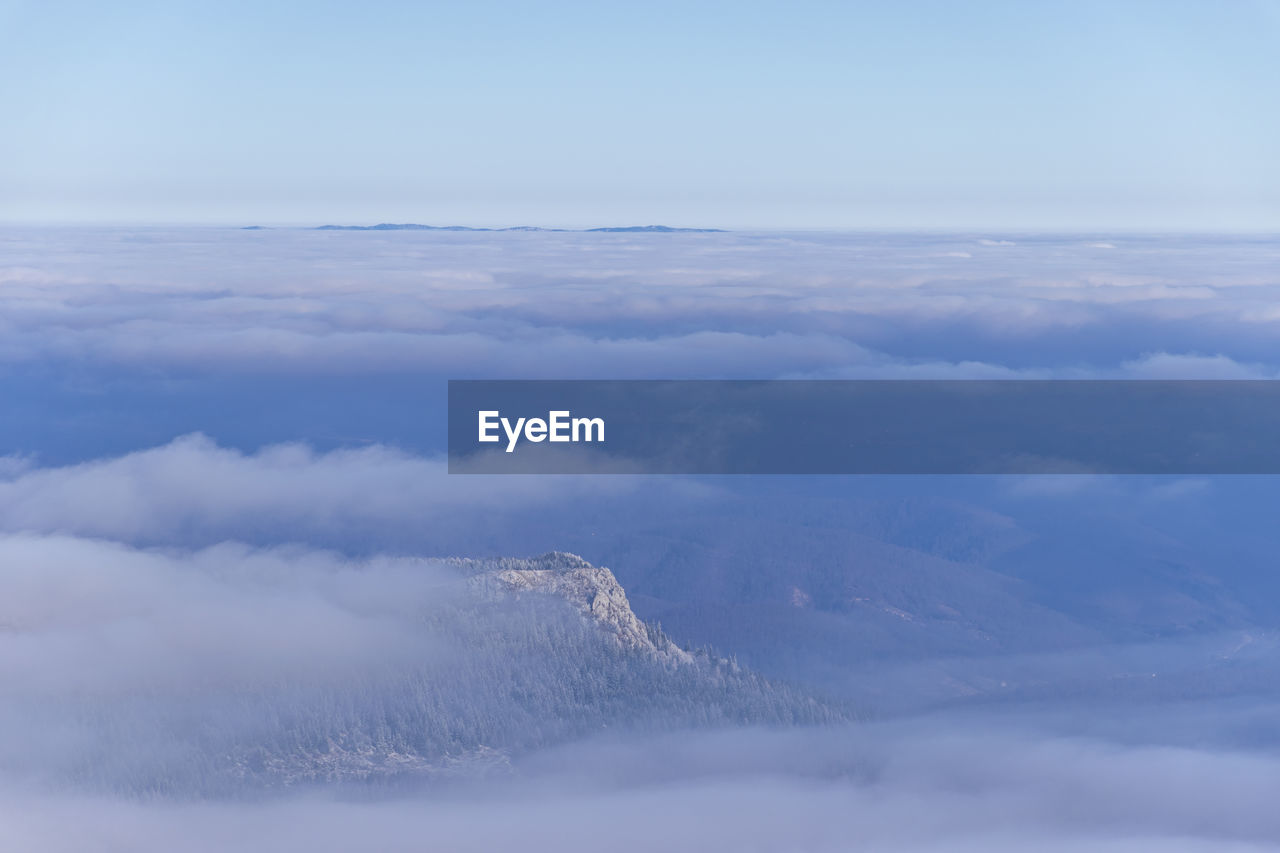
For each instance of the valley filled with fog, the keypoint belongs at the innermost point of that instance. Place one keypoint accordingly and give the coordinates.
(242, 604)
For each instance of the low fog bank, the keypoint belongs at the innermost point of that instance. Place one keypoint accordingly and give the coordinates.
(114, 339)
(928, 786)
(180, 617)
(626, 305)
(894, 593)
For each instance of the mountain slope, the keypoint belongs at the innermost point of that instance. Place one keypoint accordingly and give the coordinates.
(413, 226)
(593, 592)
(527, 654)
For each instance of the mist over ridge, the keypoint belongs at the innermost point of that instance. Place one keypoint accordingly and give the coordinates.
(227, 529)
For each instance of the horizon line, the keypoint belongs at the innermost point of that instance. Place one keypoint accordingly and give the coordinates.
(656, 228)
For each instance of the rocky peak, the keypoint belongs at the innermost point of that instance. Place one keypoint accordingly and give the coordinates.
(593, 591)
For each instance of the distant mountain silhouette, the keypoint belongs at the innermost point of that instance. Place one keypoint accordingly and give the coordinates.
(410, 226)
(660, 229)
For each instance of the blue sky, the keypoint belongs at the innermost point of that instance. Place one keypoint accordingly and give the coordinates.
(1137, 115)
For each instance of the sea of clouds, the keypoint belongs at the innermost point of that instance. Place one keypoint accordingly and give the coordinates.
(179, 514)
(619, 305)
(929, 788)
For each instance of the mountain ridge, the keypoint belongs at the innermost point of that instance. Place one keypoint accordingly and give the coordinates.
(521, 654)
(593, 591)
(414, 226)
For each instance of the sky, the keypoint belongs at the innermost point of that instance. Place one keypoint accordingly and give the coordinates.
(799, 115)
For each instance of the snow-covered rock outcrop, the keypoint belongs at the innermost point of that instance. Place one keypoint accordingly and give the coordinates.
(591, 590)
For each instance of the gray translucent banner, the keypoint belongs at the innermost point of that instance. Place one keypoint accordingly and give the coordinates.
(864, 427)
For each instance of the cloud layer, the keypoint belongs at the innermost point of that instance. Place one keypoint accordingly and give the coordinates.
(909, 791)
(173, 565)
(571, 305)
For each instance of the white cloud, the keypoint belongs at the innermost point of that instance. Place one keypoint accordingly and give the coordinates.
(1165, 365)
(564, 305)
(1059, 485)
(944, 788)
(192, 489)
(83, 618)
